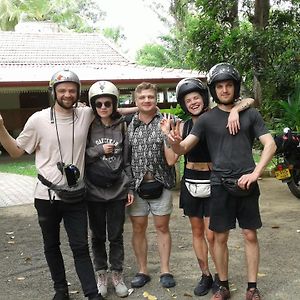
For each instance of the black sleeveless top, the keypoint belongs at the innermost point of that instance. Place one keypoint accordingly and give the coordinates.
(199, 153)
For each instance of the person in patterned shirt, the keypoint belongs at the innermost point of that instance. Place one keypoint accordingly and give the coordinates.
(152, 162)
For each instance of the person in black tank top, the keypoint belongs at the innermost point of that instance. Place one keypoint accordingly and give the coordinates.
(192, 96)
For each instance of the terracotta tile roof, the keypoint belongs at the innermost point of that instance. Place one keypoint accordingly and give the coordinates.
(30, 59)
(43, 49)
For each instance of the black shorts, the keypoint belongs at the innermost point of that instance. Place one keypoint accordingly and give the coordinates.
(192, 206)
(225, 209)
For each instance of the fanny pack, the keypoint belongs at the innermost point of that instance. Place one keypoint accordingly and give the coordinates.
(68, 194)
(231, 185)
(150, 189)
(102, 176)
(199, 188)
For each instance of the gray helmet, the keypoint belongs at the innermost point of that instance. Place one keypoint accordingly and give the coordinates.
(63, 76)
(189, 85)
(222, 72)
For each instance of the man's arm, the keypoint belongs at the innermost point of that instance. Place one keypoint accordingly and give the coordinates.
(180, 146)
(233, 123)
(266, 156)
(267, 153)
(127, 110)
(243, 104)
(170, 155)
(8, 142)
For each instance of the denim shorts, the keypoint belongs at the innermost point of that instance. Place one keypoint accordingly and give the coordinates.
(159, 207)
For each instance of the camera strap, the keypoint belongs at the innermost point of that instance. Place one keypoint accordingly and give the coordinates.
(54, 120)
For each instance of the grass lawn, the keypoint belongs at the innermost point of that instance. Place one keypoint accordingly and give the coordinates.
(20, 166)
(27, 167)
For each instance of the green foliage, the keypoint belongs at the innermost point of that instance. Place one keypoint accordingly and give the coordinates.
(206, 32)
(152, 55)
(114, 34)
(76, 15)
(291, 111)
(176, 111)
(9, 14)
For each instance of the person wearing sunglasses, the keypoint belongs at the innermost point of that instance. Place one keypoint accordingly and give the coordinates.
(109, 182)
(57, 135)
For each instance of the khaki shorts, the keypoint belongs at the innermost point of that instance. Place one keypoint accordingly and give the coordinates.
(159, 207)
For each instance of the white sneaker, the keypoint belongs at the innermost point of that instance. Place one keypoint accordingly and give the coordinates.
(118, 282)
(102, 279)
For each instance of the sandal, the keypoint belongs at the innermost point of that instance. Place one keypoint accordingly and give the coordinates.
(139, 280)
(167, 280)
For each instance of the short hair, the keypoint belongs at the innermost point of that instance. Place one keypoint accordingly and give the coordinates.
(145, 86)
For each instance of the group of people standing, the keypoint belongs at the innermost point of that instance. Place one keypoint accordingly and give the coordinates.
(129, 166)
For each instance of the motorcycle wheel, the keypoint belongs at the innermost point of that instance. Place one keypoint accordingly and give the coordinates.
(294, 184)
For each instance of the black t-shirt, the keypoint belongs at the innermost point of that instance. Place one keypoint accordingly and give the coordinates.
(231, 155)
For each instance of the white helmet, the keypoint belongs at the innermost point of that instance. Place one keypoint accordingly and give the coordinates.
(103, 88)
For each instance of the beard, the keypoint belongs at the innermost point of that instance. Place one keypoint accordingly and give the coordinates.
(62, 105)
(230, 102)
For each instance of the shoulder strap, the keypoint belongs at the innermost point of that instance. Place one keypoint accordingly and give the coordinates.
(123, 128)
(44, 181)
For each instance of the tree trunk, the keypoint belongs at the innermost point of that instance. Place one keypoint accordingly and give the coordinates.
(260, 21)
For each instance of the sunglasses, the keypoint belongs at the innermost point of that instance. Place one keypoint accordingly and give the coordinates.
(107, 104)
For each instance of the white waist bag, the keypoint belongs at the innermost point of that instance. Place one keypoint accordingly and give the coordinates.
(199, 188)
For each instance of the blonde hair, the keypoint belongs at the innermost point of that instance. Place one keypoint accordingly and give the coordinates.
(145, 86)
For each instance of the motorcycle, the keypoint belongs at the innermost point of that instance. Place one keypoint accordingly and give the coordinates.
(287, 157)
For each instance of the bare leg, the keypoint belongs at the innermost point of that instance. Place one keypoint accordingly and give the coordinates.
(210, 237)
(199, 243)
(221, 254)
(139, 241)
(164, 241)
(252, 253)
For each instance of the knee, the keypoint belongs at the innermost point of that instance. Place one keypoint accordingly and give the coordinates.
(162, 228)
(138, 227)
(81, 250)
(53, 247)
(198, 234)
(250, 235)
(210, 237)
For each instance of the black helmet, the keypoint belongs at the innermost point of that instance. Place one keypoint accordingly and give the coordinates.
(189, 85)
(222, 72)
(63, 76)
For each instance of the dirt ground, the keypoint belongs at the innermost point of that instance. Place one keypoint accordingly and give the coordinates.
(25, 275)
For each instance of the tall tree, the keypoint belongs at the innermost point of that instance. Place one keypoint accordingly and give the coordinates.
(9, 14)
(77, 15)
(263, 41)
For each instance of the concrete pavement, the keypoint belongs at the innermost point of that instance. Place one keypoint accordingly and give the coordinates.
(16, 189)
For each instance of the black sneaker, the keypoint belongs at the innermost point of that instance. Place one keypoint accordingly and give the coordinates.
(216, 283)
(61, 295)
(204, 285)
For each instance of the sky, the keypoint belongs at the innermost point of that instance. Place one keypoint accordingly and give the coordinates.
(140, 24)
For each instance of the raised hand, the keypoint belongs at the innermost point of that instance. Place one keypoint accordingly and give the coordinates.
(174, 137)
(165, 123)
